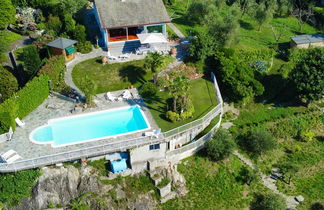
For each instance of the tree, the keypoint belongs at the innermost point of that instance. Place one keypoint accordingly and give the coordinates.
(199, 10)
(54, 23)
(245, 6)
(303, 11)
(71, 6)
(153, 62)
(89, 89)
(308, 75)
(247, 175)
(283, 7)
(268, 202)
(31, 60)
(257, 141)
(226, 30)
(178, 87)
(8, 84)
(288, 170)
(221, 145)
(238, 77)
(8, 12)
(202, 46)
(80, 33)
(277, 34)
(262, 15)
(69, 24)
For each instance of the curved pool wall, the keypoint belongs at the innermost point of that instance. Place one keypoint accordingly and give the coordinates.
(91, 126)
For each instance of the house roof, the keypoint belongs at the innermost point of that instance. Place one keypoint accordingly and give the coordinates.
(61, 43)
(308, 38)
(120, 13)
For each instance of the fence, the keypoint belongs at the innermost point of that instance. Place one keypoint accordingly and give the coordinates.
(121, 145)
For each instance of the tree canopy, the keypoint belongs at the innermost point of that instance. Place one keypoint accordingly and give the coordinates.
(268, 202)
(308, 74)
(8, 84)
(8, 12)
(32, 61)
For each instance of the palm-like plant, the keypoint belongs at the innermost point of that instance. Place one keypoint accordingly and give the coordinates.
(178, 88)
(153, 62)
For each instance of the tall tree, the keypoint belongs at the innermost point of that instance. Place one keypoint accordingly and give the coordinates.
(303, 11)
(154, 62)
(8, 84)
(263, 14)
(8, 12)
(31, 60)
(308, 75)
(245, 6)
(178, 87)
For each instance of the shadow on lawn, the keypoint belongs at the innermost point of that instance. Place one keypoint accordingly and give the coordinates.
(245, 25)
(133, 74)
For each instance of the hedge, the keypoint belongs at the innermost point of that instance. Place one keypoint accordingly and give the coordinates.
(23, 102)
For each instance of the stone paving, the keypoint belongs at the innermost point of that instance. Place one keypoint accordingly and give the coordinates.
(54, 107)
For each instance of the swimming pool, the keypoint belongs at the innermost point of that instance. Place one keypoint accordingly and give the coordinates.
(89, 127)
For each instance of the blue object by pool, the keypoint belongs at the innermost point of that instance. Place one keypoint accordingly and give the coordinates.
(89, 127)
(118, 165)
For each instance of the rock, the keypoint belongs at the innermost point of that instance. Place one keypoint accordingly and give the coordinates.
(120, 193)
(299, 198)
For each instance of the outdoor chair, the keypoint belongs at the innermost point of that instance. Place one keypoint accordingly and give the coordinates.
(8, 154)
(20, 123)
(154, 133)
(110, 97)
(9, 134)
(125, 56)
(111, 57)
(13, 158)
(127, 94)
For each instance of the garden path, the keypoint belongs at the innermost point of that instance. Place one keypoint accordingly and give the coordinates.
(176, 30)
(268, 182)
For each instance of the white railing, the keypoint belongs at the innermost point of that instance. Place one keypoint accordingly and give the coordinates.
(121, 145)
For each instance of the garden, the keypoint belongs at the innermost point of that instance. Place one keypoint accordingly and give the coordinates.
(141, 74)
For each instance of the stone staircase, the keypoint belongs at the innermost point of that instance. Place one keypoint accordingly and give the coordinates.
(117, 48)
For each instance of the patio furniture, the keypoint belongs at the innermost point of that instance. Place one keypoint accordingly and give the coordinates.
(9, 134)
(143, 50)
(20, 123)
(110, 97)
(111, 57)
(154, 133)
(126, 94)
(7, 154)
(13, 158)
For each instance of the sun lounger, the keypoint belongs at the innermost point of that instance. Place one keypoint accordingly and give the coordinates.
(19, 122)
(9, 134)
(110, 97)
(13, 158)
(8, 154)
(154, 133)
(127, 94)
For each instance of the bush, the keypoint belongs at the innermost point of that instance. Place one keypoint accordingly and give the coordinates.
(55, 69)
(257, 141)
(172, 116)
(31, 61)
(24, 101)
(268, 202)
(221, 145)
(246, 175)
(16, 186)
(8, 84)
(148, 89)
(84, 47)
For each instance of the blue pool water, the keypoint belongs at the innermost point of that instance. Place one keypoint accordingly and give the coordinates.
(94, 126)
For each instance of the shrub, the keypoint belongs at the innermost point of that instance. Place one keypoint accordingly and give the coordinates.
(172, 116)
(31, 61)
(257, 141)
(84, 47)
(8, 84)
(24, 101)
(54, 23)
(221, 145)
(55, 69)
(148, 89)
(268, 202)
(16, 186)
(307, 136)
(89, 89)
(164, 182)
(246, 175)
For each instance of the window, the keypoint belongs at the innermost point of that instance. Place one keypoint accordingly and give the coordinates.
(154, 146)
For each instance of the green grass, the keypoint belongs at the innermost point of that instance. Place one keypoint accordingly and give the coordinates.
(202, 95)
(112, 77)
(213, 185)
(8, 38)
(100, 165)
(250, 37)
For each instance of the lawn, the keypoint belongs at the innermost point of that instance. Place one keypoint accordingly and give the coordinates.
(202, 95)
(250, 37)
(7, 38)
(112, 77)
(213, 185)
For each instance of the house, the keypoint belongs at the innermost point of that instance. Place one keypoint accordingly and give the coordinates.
(63, 46)
(121, 20)
(307, 40)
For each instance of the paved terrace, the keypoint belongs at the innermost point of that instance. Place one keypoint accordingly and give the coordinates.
(54, 107)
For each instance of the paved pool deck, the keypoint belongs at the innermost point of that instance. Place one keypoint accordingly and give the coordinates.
(54, 107)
